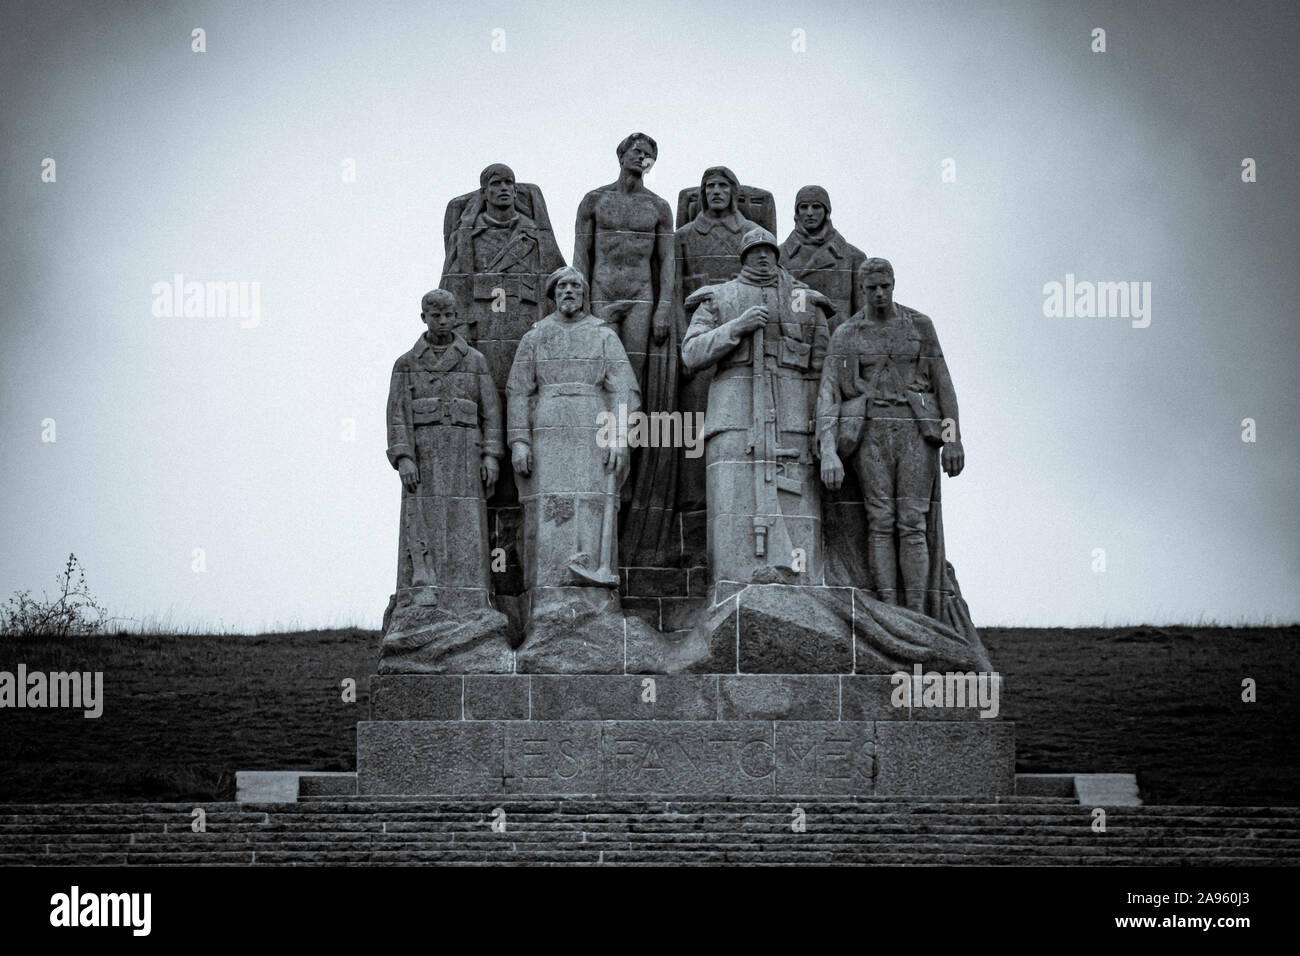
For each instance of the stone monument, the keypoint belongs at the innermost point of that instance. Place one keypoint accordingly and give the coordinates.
(786, 680)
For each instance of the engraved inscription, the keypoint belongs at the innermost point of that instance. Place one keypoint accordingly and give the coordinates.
(546, 758)
(692, 756)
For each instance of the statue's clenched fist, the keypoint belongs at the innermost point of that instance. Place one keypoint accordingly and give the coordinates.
(752, 319)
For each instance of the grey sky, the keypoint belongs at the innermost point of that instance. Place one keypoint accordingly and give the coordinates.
(1081, 433)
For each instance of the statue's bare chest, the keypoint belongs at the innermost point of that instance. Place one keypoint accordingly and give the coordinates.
(625, 212)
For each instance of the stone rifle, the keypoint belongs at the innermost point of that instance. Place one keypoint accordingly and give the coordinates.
(763, 437)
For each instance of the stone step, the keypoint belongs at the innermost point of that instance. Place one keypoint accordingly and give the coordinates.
(1100, 841)
(175, 813)
(711, 799)
(1280, 827)
(1081, 837)
(703, 829)
(1157, 854)
(711, 859)
(950, 823)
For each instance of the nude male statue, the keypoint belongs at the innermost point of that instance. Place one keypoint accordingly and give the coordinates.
(625, 250)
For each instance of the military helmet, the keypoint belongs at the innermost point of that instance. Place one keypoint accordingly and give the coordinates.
(759, 237)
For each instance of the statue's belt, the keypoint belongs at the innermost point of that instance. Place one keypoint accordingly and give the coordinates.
(444, 411)
(569, 388)
(879, 409)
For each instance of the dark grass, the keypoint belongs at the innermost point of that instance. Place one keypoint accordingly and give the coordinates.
(1162, 702)
(183, 713)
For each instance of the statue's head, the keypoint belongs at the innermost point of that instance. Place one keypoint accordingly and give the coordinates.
(568, 287)
(438, 310)
(497, 184)
(812, 206)
(876, 283)
(719, 190)
(637, 153)
(759, 251)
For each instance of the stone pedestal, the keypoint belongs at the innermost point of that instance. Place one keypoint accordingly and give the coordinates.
(439, 640)
(735, 734)
(577, 630)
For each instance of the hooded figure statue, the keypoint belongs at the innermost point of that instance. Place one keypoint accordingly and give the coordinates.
(817, 254)
(497, 258)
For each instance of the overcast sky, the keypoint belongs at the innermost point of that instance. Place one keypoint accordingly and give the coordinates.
(1081, 433)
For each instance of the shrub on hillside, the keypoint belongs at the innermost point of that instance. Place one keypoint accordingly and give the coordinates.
(73, 610)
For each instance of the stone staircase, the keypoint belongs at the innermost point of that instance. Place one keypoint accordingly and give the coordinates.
(709, 830)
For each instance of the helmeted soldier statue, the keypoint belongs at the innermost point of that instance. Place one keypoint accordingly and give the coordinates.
(708, 253)
(765, 335)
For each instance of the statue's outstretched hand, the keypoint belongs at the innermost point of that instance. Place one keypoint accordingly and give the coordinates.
(832, 470)
(409, 474)
(953, 458)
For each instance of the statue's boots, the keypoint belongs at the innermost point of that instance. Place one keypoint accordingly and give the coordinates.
(914, 562)
(882, 565)
(913, 552)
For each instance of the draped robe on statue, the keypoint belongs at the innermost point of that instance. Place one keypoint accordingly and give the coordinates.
(564, 376)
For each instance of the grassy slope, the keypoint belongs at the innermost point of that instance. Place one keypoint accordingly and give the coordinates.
(183, 713)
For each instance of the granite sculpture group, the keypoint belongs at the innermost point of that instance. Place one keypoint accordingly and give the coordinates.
(807, 538)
